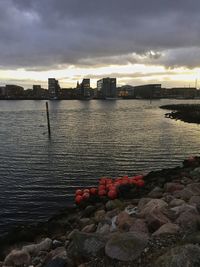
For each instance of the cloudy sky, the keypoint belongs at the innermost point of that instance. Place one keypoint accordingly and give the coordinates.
(137, 41)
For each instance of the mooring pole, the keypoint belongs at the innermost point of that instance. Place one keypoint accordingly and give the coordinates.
(48, 121)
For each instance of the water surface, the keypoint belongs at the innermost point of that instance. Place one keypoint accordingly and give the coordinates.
(89, 139)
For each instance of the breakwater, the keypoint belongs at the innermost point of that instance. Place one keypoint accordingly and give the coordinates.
(146, 227)
(186, 112)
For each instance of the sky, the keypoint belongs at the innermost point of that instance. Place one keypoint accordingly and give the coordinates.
(136, 41)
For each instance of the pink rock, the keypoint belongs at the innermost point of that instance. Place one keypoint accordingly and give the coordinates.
(189, 220)
(153, 206)
(124, 221)
(89, 228)
(17, 258)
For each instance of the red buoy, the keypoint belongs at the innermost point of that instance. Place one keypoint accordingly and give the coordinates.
(93, 191)
(79, 192)
(86, 195)
(102, 192)
(112, 194)
(78, 199)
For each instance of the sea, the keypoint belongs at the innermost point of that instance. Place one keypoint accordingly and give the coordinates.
(89, 139)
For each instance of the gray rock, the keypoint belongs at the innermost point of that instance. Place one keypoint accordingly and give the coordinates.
(56, 244)
(168, 228)
(126, 246)
(155, 220)
(58, 262)
(17, 258)
(103, 229)
(99, 215)
(189, 220)
(195, 200)
(86, 245)
(142, 202)
(89, 210)
(176, 202)
(44, 245)
(113, 204)
(139, 226)
(84, 221)
(172, 187)
(193, 238)
(157, 192)
(183, 256)
(89, 228)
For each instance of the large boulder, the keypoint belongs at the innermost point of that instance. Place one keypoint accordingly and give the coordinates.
(189, 220)
(44, 245)
(84, 245)
(176, 202)
(126, 246)
(153, 205)
(182, 256)
(142, 202)
(157, 192)
(139, 226)
(17, 258)
(155, 220)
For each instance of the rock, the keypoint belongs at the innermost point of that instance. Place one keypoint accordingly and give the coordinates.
(58, 262)
(59, 252)
(189, 220)
(176, 202)
(155, 220)
(153, 205)
(183, 208)
(139, 226)
(112, 213)
(157, 192)
(124, 221)
(69, 237)
(195, 173)
(194, 188)
(126, 246)
(113, 204)
(103, 229)
(167, 197)
(184, 194)
(172, 187)
(89, 228)
(143, 202)
(195, 200)
(86, 245)
(17, 258)
(193, 238)
(182, 256)
(99, 215)
(45, 245)
(56, 244)
(89, 210)
(84, 221)
(168, 228)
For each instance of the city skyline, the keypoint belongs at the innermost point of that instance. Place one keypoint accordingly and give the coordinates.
(72, 40)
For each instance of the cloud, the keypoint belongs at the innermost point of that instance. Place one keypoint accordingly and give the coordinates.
(51, 34)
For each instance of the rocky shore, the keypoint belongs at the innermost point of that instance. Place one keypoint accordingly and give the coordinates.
(157, 225)
(184, 112)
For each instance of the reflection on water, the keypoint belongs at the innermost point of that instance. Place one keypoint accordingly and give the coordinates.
(89, 139)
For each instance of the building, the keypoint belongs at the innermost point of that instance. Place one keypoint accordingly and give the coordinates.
(106, 87)
(13, 91)
(126, 91)
(53, 88)
(148, 91)
(85, 88)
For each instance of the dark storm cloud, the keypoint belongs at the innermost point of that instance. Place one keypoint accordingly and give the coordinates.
(52, 33)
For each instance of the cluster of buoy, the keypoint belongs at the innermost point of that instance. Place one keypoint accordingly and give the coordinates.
(109, 188)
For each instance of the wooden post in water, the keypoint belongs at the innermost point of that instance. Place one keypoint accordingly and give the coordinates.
(48, 121)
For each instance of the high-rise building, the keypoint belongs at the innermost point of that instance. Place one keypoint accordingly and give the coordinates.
(53, 88)
(85, 88)
(106, 87)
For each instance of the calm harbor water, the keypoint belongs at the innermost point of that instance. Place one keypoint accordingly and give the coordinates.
(89, 139)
